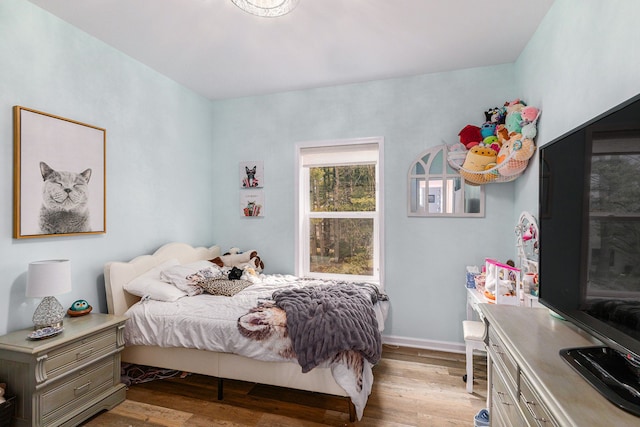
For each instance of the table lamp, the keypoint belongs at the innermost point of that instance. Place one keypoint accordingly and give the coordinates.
(45, 279)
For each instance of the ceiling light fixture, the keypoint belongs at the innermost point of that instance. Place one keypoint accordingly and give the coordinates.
(267, 8)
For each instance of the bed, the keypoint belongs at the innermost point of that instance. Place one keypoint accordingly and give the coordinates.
(219, 353)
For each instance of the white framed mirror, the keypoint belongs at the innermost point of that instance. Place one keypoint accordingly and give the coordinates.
(435, 189)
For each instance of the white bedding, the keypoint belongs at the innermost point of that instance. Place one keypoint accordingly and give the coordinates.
(209, 322)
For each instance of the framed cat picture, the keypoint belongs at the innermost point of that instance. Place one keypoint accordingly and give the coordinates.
(251, 174)
(59, 176)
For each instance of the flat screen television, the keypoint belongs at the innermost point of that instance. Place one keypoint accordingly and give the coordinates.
(589, 265)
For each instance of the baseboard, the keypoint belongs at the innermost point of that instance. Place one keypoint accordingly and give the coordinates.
(450, 347)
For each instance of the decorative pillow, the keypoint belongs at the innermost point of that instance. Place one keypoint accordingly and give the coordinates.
(186, 277)
(151, 285)
(224, 287)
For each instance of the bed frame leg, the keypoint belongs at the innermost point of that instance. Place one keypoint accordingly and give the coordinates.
(220, 388)
(352, 411)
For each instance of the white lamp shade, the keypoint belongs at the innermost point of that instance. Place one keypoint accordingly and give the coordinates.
(48, 277)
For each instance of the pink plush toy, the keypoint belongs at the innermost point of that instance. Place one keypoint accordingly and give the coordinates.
(529, 114)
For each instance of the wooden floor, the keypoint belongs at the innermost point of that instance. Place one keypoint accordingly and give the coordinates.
(412, 387)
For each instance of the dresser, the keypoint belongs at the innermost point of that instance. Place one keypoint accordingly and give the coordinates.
(529, 382)
(63, 380)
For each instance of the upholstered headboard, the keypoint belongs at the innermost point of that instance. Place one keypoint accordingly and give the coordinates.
(117, 274)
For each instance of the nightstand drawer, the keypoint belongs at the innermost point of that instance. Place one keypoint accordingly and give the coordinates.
(77, 389)
(80, 352)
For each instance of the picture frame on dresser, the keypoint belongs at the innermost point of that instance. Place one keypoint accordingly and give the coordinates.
(59, 176)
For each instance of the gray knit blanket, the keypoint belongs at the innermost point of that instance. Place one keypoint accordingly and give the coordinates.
(323, 320)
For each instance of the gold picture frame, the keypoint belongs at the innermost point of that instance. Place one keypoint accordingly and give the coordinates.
(59, 176)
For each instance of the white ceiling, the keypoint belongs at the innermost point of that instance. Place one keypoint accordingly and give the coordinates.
(221, 52)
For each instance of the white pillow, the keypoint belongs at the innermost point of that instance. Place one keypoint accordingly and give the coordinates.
(187, 276)
(151, 285)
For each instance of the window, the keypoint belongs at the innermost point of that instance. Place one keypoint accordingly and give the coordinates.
(339, 210)
(436, 189)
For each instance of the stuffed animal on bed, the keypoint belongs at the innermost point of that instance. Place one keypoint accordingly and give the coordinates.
(248, 259)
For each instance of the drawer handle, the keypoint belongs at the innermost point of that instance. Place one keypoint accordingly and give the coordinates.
(84, 354)
(501, 398)
(529, 404)
(83, 388)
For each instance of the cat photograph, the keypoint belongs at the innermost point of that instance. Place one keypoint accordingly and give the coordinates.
(65, 201)
(59, 180)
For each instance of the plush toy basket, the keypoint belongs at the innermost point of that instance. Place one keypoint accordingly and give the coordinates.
(508, 170)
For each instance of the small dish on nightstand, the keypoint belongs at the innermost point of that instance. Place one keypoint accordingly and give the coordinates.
(48, 332)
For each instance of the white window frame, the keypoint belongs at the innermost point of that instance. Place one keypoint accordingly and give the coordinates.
(302, 205)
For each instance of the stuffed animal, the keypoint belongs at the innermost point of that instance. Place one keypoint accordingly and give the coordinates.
(240, 260)
(492, 142)
(479, 159)
(514, 106)
(3, 388)
(514, 122)
(529, 118)
(470, 136)
(514, 155)
(495, 115)
(529, 114)
(503, 134)
(488, 129)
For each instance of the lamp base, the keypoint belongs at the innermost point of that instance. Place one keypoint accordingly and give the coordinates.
(48, 314)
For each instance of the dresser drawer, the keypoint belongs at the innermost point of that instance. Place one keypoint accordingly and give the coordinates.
(80, 352)
(534, 411)
(76, 389)
(504, 401)
(502, 357)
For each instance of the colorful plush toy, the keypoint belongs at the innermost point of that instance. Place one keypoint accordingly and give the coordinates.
(495, 115)
(492, 142)
(529, 114)
(514, 106)
(529, 118)
(503, 134)
(479, 159)
(514, 155)
(514, 122)
(470, 136)
(488, 129)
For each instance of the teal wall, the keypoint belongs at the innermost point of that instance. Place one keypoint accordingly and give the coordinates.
(158, 152)
(583, 60)
(425, 258)
(172, 156)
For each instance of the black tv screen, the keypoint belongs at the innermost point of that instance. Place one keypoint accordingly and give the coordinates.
(589, 220)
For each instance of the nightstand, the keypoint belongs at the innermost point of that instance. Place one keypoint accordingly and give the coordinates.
(68, 378)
